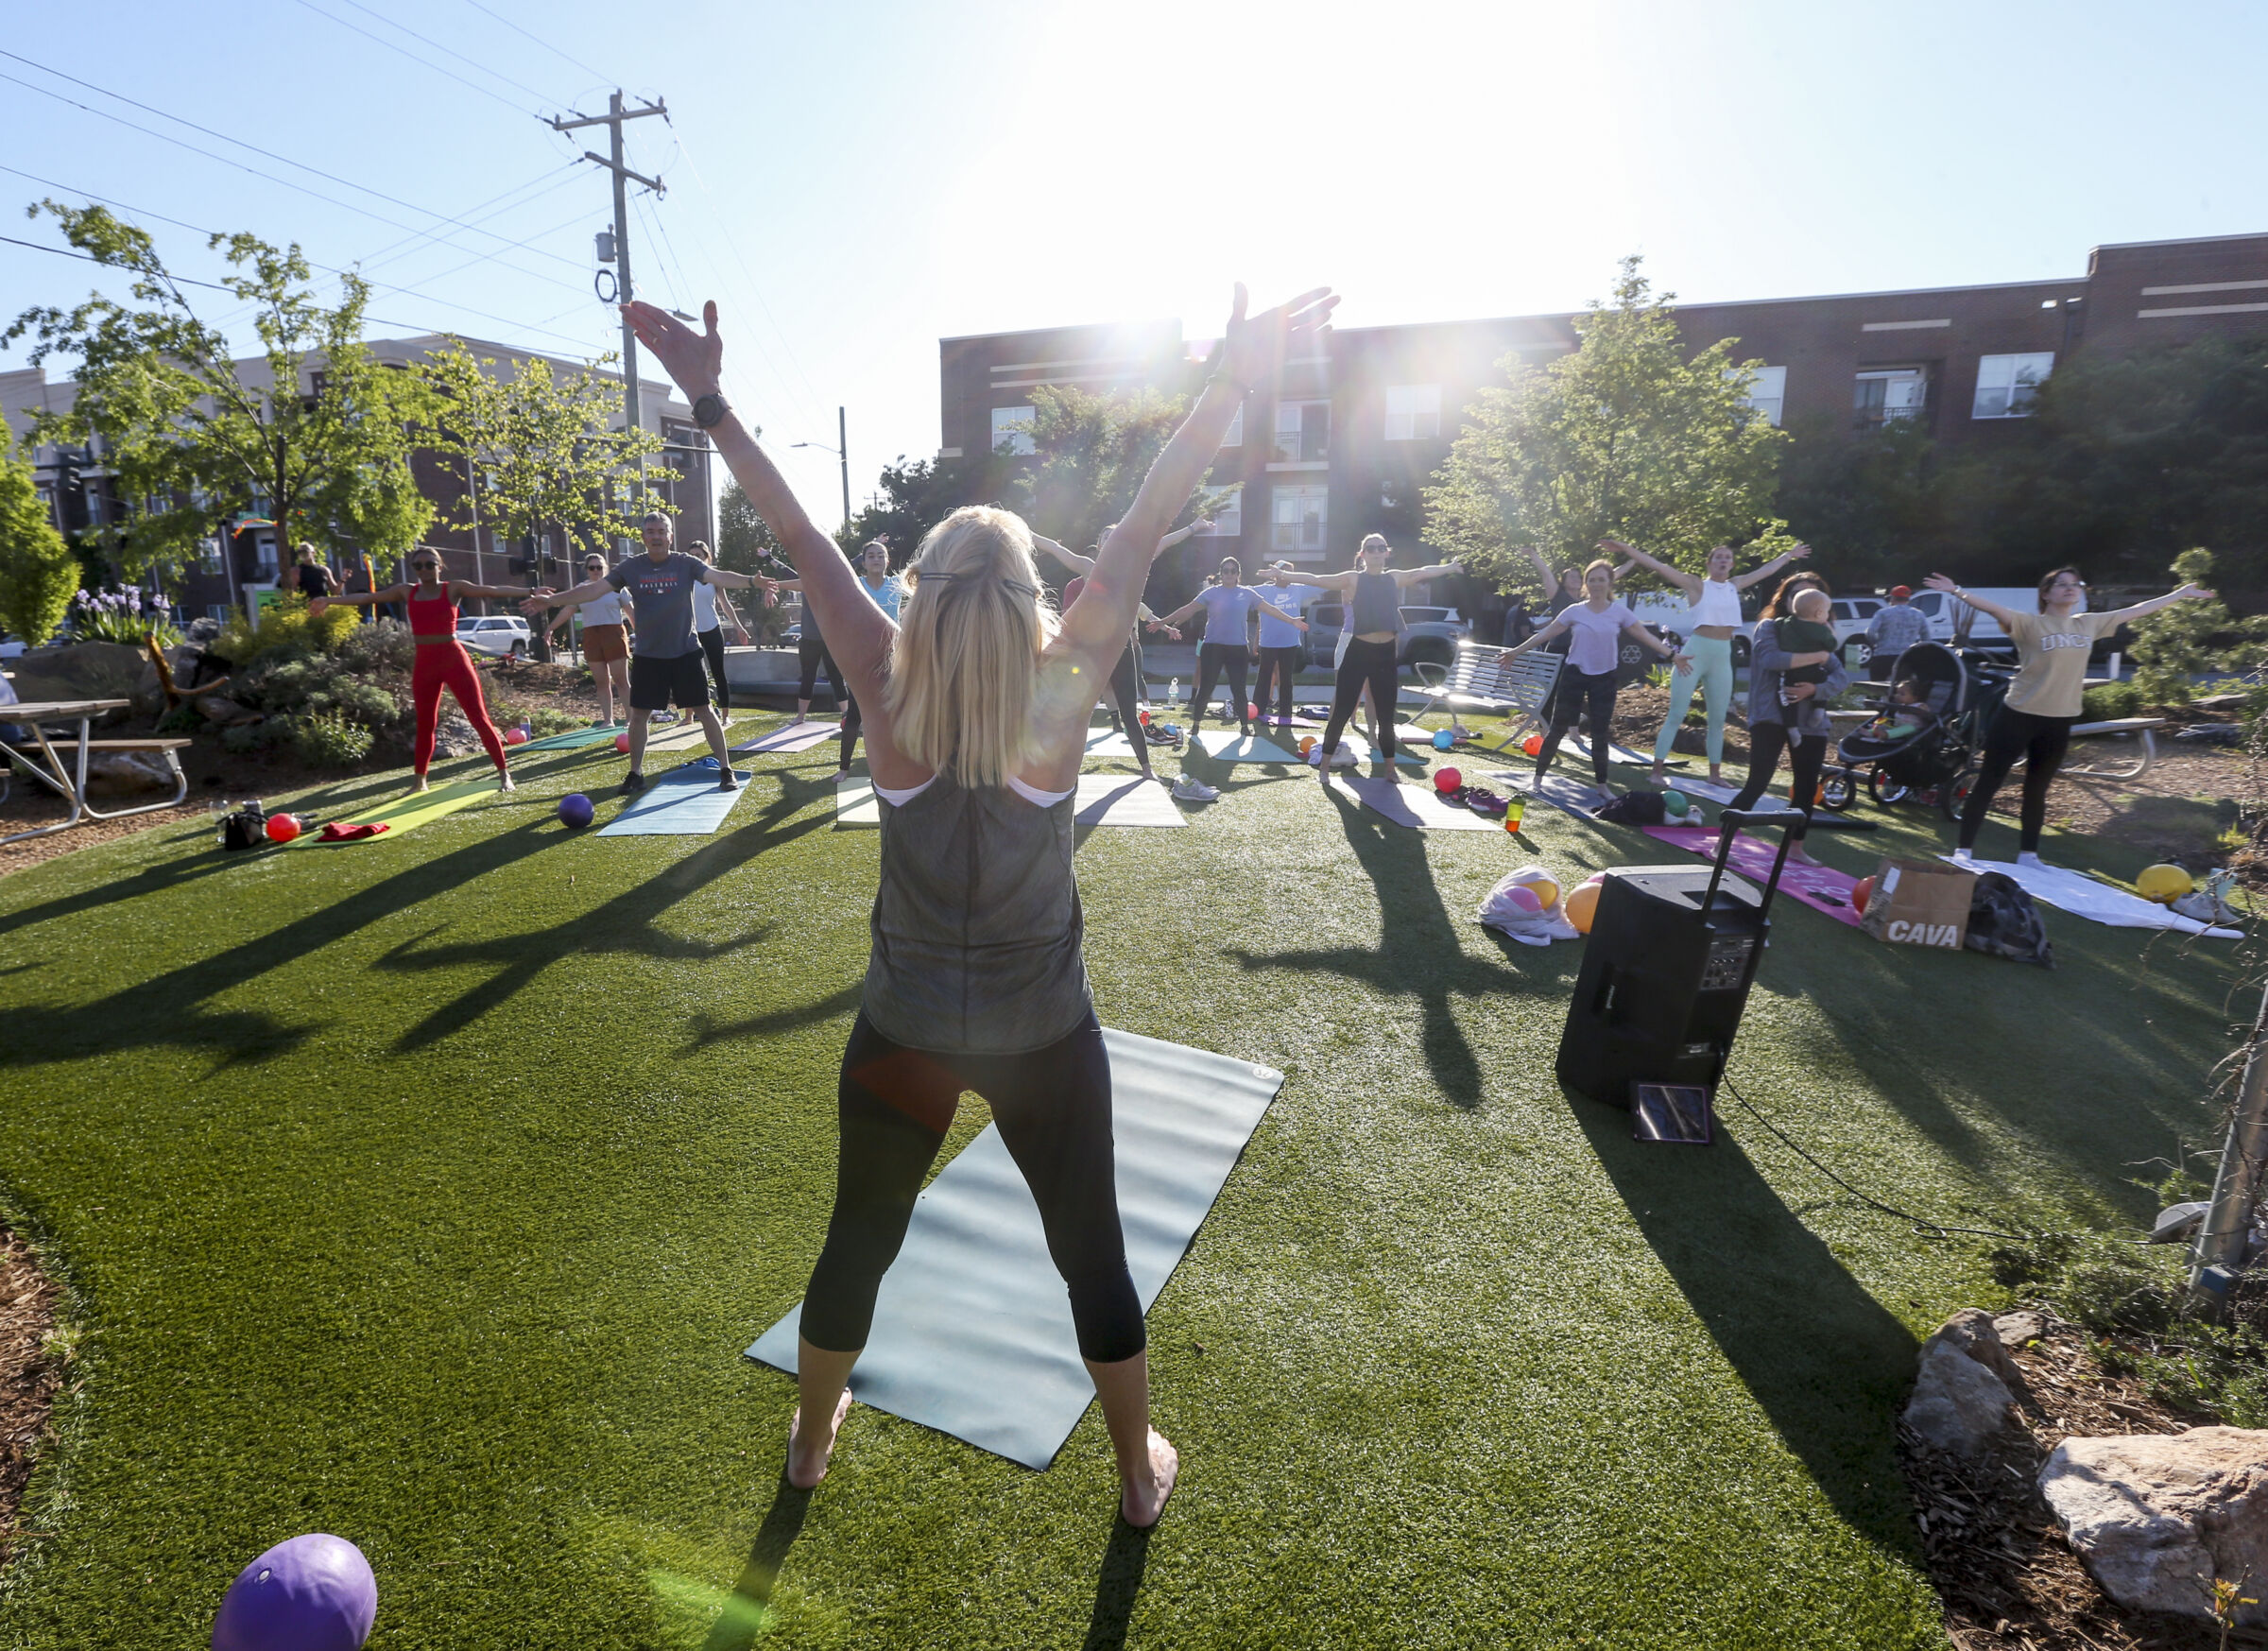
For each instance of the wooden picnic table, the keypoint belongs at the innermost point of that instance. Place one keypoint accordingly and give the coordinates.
(38, 757)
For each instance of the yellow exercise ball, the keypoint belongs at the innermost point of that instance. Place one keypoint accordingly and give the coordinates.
(1582, 905)
(2163, 884)
(1545, 890)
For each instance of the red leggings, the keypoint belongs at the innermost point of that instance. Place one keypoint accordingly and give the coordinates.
(447, 666)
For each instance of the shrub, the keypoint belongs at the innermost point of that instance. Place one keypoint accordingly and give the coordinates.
(37, 573)
(2189, 639)
(285, 626)
(121, 616)
(382, 645)
(2111, 701)
(329, 740)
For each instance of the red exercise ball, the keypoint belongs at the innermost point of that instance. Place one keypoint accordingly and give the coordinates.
(1861, 892)
(1533, 745)
(515, 736)
(281, 827)
(1447, 779)
(622, 742)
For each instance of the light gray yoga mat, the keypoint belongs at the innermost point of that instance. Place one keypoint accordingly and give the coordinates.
(1116, 800)
(1416, 805)
(972, 1333)
(1224, 746)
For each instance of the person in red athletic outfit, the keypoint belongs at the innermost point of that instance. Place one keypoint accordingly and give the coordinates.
(441, 661)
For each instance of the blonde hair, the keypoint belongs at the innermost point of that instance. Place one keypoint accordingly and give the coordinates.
(1796, 602)
(966, 664)
(1594, 567)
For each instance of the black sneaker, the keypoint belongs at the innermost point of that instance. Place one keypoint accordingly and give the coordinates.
(632, 783)
(727, 781)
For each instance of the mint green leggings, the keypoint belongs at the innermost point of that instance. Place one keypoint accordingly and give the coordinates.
(1712, 672)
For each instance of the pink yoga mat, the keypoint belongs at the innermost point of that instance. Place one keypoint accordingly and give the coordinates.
(1821, 888)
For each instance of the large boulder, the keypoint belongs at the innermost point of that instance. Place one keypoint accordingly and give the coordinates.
(88, 670)
(1965, 1387)
(2156, 1518)
(120, 772)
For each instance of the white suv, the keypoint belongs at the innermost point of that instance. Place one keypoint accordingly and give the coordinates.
(507, 638)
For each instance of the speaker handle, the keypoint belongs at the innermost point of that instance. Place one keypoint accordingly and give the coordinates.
(1795, 825)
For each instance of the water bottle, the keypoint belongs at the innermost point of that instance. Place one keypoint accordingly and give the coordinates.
(1515, 810)
(1173, 692)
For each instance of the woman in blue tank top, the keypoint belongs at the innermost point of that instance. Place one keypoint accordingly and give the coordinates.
(976, 703)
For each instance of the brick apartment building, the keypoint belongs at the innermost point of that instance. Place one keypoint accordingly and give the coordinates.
(1350, 435)
(240, 559)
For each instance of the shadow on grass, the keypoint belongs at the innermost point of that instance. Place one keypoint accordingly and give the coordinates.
(626, 923)
(744, 1617)
(1117, 1587)
(706, 1031)
(170, 1009)
(1420, 950)
(1825, 1361)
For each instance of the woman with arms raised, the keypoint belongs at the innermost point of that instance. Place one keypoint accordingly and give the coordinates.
(1369, 645)
(976, 708)
(2035, 720)
(1712, 617)
(441, 661)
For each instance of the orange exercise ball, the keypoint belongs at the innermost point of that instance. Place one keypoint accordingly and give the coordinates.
(1533, 745)
(1583, 904)
(1861, 892)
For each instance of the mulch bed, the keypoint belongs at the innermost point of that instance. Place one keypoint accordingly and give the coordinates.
(1992, 1547)
(28, 1378)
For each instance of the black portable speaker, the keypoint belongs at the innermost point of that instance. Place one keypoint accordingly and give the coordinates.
(1666, 970)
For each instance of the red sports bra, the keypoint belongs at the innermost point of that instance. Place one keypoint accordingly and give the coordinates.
(424, 616)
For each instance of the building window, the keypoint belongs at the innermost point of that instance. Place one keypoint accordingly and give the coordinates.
(209, 556)
(1012, 429)
(1302, 432)
(1301, 515)
(1413, 412)
(1768, 391)
(1236, 428)
(1228, 515)
(2007, 384)
(218, 611)
(1885, 395)
(263, 554)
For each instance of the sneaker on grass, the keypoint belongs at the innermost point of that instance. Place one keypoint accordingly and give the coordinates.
(1189, 788)
(632, 782)
(727, 781)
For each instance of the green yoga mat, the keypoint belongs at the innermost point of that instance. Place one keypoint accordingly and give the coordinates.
(573, 739)
(973, 1332)
(407, 813)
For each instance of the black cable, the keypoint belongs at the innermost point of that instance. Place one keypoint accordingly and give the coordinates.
(450, 51)
(595, 74)
(90, 258)
(421, 62)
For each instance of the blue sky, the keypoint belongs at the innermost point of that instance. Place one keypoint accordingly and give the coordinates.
(854, 181)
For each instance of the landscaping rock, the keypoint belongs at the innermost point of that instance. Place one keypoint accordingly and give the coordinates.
(1960, 1400)
(223, 711)
(2213, 734)
(127, 771)
(2156, 1518)
(86, 670)
(2016, 1329)
(2177, 1222)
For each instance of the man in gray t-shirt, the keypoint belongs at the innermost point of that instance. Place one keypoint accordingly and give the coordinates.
(667, 663)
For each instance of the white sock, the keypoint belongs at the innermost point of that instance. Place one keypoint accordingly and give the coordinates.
(2031, 857)
(1962, 857)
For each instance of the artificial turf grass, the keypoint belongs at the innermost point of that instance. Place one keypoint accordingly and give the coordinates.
(428, 1195)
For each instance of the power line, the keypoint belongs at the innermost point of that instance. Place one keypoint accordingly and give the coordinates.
(594, 74)
(450, 51)
(424, 63)
(255, 149)
(90, 258)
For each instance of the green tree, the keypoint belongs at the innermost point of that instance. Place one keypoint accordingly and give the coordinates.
(1873, 503)
(914, 495)
(37, 573)
(2202, 638)
(315, 434)
(745, 543)
(1626, 439)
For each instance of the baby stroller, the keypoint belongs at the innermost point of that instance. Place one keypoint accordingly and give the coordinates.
(1924, 747)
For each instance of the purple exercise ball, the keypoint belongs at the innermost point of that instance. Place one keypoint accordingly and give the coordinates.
(575, 809)
(315, 1593)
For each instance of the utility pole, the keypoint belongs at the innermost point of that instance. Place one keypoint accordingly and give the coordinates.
(612, 120)
(2224, 1235)
(842, 448)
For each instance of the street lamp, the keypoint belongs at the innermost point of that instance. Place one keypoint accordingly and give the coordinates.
(842, 451)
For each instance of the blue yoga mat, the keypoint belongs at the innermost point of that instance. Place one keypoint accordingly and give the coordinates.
(682, 803)
(973, 1332)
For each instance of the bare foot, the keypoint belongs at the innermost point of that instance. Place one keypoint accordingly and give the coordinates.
(422, 784)
(1140, 1505)
(504, 781)
(1716, 775)
(806, 1466)
(1662, 775)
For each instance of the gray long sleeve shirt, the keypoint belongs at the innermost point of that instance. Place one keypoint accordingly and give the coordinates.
(1767, 662)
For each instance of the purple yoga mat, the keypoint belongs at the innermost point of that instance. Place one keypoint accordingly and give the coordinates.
(1821, 888)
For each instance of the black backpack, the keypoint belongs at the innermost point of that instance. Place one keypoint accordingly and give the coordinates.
(1633, 808)
(245, 829)
(2004, 922)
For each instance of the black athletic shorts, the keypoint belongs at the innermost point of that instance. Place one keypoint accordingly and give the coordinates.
(655, 682)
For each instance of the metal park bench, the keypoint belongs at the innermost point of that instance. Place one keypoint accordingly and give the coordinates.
(2131, 762)
(1492, 680)
(64, 772)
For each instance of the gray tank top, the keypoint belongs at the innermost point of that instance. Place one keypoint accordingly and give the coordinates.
(1377, 604)
(976, 924)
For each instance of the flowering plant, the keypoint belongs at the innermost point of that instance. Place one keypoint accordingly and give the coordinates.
(121, 616)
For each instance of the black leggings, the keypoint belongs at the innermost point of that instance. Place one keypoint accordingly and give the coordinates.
(1212, 658)
(850, 728)
(1766, 740)
(1053, 1107)
(2042, 740)
(1370, 662)
(713, 649)
(811, 653)
(1283, 664)
(1576, 692)
(1125, 703)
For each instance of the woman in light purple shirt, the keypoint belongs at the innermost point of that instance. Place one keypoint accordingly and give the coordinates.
(1596, 627)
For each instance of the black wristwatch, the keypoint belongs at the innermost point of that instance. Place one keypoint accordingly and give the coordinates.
(708, 411)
